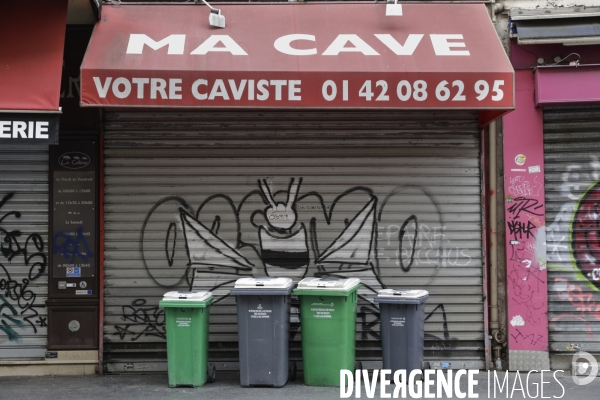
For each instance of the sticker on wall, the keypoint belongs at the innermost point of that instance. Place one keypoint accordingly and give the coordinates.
(83, 284)
(520, 159)
(514, 242)
(535, 169)
(510, 199)
(73, 272)
(517, 320)
(77, 292)
(74, 326)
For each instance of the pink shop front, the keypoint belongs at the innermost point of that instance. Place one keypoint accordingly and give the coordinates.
(551, 195)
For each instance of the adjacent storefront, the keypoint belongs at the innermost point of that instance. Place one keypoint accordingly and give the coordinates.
(571, 108)
(551, 185)
(303, 149)
(31, 55)
(571, 137)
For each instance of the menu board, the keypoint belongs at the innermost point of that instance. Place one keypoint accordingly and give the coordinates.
(74, 210)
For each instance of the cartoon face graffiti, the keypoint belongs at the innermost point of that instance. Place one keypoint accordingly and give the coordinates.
(303, 229)
(285, 238)
(281, 245)
(293, 232)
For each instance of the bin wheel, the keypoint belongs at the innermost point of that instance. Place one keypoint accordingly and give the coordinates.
(293, 369)
(212, 373)
(358, 365)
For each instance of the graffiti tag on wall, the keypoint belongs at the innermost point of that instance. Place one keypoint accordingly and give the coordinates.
(295, 233)
(18, 307)
(526, 268)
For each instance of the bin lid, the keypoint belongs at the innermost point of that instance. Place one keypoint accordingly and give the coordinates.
(405, 294)
(187, 296)
(329, 283)
(263, 282)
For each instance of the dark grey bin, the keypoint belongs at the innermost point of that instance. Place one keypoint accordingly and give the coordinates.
(263, 313)
(402, 328)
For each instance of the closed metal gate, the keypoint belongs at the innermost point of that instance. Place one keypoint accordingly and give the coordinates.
(572, 164)
(24, 251)
(199, 199)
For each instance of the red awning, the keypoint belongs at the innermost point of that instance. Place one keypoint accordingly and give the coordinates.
(312, 55)
(31, 54)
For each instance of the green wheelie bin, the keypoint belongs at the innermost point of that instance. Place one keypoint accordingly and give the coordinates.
(186, 315)
(328, 328)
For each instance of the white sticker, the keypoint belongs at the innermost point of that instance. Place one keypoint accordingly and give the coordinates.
(535, 168)
(517, 320)
(83, 292)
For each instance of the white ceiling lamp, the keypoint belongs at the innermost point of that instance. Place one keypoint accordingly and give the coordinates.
(215, 18)
(392, 8)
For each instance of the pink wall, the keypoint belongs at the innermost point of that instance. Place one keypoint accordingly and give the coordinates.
(567, 85)
(527, 294)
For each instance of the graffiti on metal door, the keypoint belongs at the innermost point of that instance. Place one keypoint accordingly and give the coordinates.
(295, 232)
(23, 261)
(574, 249)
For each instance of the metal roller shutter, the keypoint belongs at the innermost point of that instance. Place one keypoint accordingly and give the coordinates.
(572, 164)
(24, 251)
(391, 197)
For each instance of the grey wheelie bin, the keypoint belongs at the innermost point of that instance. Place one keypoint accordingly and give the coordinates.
(402, 328)
(263, 314)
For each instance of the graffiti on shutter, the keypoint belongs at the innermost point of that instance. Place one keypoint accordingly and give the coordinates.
(18, 302)
(282, 230)
(574, 244)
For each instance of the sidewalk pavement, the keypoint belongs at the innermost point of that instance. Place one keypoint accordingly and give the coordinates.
(155, 387)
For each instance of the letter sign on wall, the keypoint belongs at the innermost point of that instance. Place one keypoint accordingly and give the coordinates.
(21, 128)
